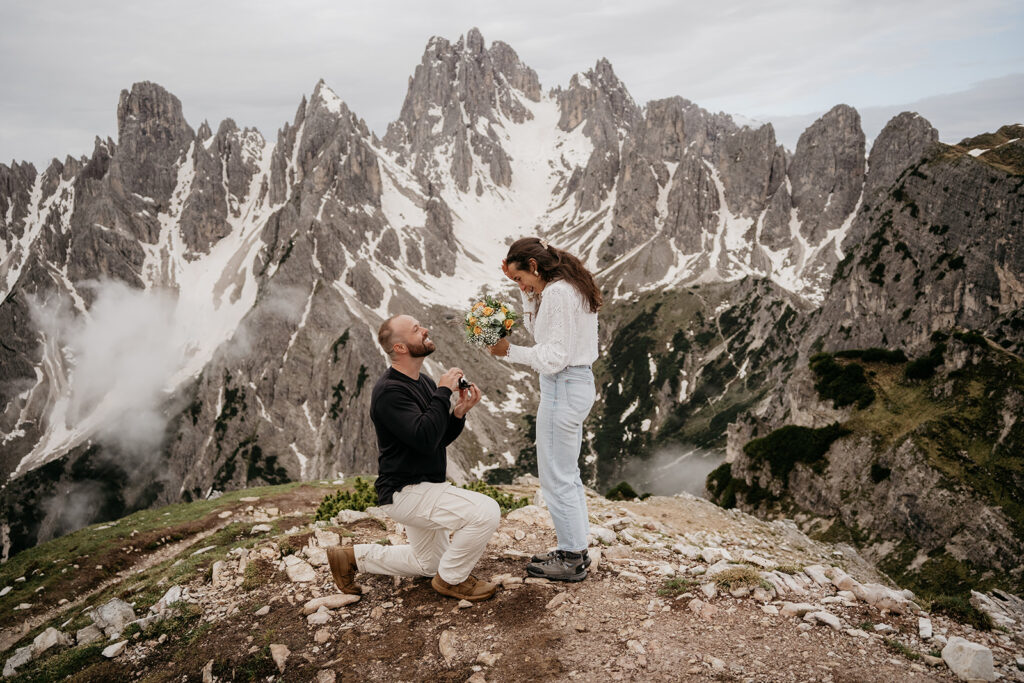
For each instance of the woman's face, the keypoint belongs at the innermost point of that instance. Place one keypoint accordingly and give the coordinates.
(528, 282)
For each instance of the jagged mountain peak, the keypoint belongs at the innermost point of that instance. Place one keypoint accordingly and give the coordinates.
(597, 89)
(474, 81)
(149, 107)
(152, 135)
(903, 140)
(458, 98)
(325, 98)
(827, 172)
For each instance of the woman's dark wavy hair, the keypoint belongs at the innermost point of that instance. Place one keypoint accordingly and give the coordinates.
(555, 264)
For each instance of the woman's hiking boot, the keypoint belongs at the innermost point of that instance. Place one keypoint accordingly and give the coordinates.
(562, 566)
(547, 556)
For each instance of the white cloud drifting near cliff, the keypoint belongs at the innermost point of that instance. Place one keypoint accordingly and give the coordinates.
(66, 62)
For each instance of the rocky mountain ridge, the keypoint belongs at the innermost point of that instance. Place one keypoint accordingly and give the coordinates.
(927, 481)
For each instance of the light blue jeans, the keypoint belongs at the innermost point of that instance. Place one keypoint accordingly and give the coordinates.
(565, 401)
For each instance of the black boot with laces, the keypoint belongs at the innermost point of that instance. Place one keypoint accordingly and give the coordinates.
(544, 557)
(562, 566)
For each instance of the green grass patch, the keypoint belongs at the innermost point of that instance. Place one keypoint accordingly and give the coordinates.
(740, 577)
(257, 666)
(901, 649)
(252, 579)
(62, 665)
(675, 586)
(959, 607)
(50, 565)
(506, 501)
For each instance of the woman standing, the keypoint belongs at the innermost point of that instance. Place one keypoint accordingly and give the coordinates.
(560, 304)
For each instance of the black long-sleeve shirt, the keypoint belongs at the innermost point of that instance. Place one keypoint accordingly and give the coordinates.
(414, 425)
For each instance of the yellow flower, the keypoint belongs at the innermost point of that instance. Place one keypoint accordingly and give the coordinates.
(504, 310)
(509, 323)
(478, 305)
(477, 331)
(488, 310)
(472, 320)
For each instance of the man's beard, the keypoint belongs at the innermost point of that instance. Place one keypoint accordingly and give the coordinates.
(421, 351)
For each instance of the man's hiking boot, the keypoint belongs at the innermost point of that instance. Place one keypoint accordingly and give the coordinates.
(563, 566)
(343, 568)
(472, 589)
(547, 556)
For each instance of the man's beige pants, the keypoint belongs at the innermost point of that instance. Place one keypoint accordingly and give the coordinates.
(430, 512)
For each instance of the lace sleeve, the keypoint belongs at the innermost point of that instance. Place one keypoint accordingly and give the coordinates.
(552, 356)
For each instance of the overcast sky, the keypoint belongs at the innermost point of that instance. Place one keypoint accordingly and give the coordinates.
(64, 63)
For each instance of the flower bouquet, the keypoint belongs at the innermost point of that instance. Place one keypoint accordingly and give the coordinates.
(488, 321)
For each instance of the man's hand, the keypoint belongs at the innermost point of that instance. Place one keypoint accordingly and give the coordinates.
(450, 379)
(467, 399)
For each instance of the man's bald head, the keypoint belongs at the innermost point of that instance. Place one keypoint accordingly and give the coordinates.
(405, 330)
(386, 334)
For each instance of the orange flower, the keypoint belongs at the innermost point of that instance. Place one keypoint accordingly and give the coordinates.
(509, 323)
(478, 304)
(477, 331)
(488, 310)
(472, 320)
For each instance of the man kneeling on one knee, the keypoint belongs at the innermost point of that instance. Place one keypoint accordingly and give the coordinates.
(414, 425)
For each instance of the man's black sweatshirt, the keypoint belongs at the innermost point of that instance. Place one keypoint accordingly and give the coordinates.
(414, 425)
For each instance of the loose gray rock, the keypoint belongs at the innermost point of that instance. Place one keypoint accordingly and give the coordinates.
(320, 617)
(113, 616)
(49, 638)
(88, 634)
(796, 609)
(969, 661)
(924, 628)
(333, 601)
(826, 618)
(298, 570)
(115, 650)
(21, 657)
(446, 646)
(279, 653)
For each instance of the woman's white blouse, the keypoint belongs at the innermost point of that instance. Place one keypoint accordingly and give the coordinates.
(563, 327)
